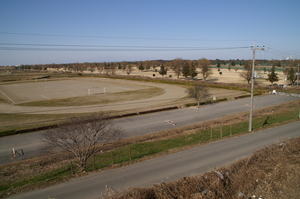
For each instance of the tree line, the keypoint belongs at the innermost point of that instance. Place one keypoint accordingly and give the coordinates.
(181, 67)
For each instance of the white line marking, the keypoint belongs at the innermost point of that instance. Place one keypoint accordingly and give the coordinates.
(46, 97)
(7, 96)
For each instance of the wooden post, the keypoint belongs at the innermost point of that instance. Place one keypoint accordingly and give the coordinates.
(14, 152)
(130, 155)
(221, 133)
(94, 161)
(200, 137)
(112, 158)
(71, 168)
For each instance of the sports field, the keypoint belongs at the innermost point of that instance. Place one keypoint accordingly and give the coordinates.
(21, 92)
(46, 90)
(85, 88)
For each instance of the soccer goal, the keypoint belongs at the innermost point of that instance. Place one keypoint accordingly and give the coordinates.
(96, 90)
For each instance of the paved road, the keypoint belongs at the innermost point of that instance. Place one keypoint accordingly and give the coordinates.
(146, 124)
(167, 168)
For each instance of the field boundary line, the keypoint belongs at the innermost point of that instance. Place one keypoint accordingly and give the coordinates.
(7, 97)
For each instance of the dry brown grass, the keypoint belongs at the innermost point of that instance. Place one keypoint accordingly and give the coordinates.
(28, 169)
(272, 172)
(99, 98)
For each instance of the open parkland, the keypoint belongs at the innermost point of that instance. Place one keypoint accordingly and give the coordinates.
(23, 87)
(34, 90)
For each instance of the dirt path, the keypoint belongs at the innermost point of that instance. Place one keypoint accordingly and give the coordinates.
(171, 93)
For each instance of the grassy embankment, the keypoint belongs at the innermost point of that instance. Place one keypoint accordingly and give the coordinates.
(41, 172)
(271, 172)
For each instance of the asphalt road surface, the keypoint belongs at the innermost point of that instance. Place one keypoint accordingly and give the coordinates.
(145, 124)
(168, 168)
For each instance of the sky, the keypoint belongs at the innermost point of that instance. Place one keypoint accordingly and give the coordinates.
(65, 31)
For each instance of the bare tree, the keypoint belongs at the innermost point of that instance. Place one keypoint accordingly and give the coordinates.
(204, 65)
(77, 67)
(247, 74)
(129, 68)
(177, 66)
(147, 64)
(154, 64)
(83, 137)
(113, 68)
(100, 67)
(107, 68)
(198, 92)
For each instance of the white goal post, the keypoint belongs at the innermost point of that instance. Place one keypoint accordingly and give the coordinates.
(96, 90)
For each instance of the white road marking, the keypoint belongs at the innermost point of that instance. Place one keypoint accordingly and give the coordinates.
(45, 97)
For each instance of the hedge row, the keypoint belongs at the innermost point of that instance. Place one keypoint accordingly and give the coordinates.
(15, 132)
(207, 102)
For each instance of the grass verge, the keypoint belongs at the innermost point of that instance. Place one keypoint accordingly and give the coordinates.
(271, 172)
(40, 172)
(11, 123)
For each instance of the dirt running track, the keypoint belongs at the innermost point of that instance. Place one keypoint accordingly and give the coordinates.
(172, 93)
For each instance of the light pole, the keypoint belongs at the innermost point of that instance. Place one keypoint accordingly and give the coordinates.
(254, 48)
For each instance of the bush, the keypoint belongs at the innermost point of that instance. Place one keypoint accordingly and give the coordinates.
(7, 133)
(207, 102)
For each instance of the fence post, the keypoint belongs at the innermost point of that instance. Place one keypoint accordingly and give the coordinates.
(112, 158)
(94, 157)
(130, 155)
(71, 167)
(221, 133)
(200, 137)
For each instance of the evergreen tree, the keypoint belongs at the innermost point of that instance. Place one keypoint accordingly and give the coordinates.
(162, 70)
(141, 67)
(218, 63)
(272, 76)
(232, 63)
(186, 70)
(292, 77)
(193, 72)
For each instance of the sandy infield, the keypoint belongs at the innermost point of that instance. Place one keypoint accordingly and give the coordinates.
(70, 88)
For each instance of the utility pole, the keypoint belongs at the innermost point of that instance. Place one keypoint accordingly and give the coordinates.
(298, 77)
(253, 48)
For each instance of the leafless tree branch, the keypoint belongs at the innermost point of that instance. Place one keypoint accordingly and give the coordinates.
(83, 137)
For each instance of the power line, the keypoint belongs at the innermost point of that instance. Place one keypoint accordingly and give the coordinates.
(118, 49)
(107, 46)
(280, 54)
(279, 51)
(111, 37)
(76, 47)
